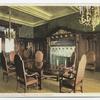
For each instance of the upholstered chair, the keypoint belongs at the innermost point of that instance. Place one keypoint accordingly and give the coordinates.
(73, 80)
(24, 79)
(7, 69)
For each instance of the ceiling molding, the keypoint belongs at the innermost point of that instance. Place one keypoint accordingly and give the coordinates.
(33, 11)
(76, 9)
(38, 23)
(15, 20)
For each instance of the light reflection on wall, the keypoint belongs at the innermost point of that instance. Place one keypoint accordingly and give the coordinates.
(60, 54)
(9, 45)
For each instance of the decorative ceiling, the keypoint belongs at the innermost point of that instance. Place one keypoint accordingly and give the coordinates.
(53, 16)
(35, 15)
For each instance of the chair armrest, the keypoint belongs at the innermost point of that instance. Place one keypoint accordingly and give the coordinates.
(72, 76)
(33, 74)
(69, 75)
(11, 68)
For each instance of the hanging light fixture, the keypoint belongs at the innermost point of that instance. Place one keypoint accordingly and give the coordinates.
(9, 32)
(90, 16)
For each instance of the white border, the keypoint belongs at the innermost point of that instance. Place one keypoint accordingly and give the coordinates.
(51, 2)
(46, 95)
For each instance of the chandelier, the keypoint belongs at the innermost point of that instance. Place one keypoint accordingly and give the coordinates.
(90, 16)
(9, 32)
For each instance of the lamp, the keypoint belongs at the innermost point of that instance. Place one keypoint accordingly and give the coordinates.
(90, 16)
(9, 32)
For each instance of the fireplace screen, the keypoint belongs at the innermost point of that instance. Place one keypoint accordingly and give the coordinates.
(60, 55)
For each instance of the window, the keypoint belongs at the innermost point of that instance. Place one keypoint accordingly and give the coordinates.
(9, 45)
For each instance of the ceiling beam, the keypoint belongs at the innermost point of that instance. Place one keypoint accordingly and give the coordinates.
(34, 11)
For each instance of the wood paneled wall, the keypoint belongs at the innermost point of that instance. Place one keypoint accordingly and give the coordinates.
(98, 52)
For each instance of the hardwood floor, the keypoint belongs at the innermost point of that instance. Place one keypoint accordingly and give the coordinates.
(91, 84)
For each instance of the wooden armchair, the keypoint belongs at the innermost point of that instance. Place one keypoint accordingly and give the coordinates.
(11, 56)
(24, 79)
(91, 60)
(73, 80)
(39, 65)
(7, 70)
(70, 68)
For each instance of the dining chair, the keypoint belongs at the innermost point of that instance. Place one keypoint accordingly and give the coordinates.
(11, 58)
(91, 60)
(39, 65)
(8, 70)
(73, 80)
(24, 79)
(63, 70)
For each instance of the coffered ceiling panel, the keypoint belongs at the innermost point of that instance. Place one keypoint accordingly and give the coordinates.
(53, 9)
(58, 11)
(24, 16)
(4, 9)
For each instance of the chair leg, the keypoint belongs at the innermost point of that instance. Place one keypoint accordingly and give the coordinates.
(81, 87)
(7, 78)
(57, 77)
(74, 89)
(17, 86)
(39, 83)
(3, 77)
(60, 87)
(25, 89)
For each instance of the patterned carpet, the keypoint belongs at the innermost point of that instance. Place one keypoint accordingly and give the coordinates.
(91, 84)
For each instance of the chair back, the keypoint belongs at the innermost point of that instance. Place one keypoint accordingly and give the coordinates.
(38, 65)
(39, 59)
(4, 62)
(39, 56)
(81, 69)
(73, 60)
(12, 55)
(20, 70)
(26, 54)
(91, 58)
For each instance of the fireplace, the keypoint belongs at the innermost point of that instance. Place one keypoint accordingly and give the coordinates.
(60, 47)
(60, 55)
